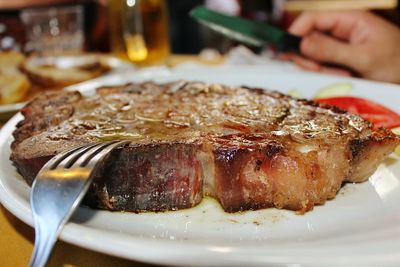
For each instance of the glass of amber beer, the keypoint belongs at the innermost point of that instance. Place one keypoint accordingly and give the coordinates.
(139, 30)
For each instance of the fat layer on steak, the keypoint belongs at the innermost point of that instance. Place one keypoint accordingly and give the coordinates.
(249, 148)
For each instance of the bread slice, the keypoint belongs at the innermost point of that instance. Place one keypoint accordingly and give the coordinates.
(13, 84)
(55, 75)
(13, 88)
(10, 62)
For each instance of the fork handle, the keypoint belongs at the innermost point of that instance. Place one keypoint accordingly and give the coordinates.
(44, 244)
(55, 195)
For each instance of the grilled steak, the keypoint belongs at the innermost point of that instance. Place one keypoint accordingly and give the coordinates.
(248, 148)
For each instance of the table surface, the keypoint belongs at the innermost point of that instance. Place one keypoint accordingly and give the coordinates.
(16, 238)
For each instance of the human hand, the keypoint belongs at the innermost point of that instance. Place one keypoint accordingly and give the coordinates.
(358, 40)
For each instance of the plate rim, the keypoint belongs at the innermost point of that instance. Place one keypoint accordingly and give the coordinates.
(68, 234)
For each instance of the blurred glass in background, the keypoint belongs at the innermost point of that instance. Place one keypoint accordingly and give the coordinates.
(139, 30)
(53, 30)
(83, 22)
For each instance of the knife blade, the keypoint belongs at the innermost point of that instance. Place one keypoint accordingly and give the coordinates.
(247, 31)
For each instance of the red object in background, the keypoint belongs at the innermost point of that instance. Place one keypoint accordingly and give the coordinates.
(376, 113)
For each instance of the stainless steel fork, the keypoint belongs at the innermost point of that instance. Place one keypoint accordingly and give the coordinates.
(57, 191)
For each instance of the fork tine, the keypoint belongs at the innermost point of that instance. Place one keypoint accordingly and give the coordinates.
(96, 155)
(91, 152)
(100, 156)
(69, 160)
(53, 162)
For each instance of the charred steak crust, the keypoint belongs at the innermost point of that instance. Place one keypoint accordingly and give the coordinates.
(248, 148)
(45, 111)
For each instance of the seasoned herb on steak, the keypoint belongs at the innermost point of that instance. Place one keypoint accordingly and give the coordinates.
(248, 148)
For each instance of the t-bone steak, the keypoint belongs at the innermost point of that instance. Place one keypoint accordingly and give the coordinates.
(249, 148)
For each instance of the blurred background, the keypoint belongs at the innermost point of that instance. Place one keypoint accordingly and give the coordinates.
(136, 31)
(95, 25)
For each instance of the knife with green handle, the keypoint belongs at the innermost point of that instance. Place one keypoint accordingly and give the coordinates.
(247, 31)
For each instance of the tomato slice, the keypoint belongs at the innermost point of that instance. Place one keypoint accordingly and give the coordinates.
(378, 114)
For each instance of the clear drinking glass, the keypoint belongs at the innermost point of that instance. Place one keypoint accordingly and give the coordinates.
(54, 29)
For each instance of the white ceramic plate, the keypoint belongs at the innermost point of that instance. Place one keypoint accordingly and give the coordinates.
(117, 66)
(360, 227)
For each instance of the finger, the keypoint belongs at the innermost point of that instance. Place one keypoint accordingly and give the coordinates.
(300, 61)
(339, 24)
(286, 56)
(336, 71)
(308, 64)
(323, 48)
(305, 63)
